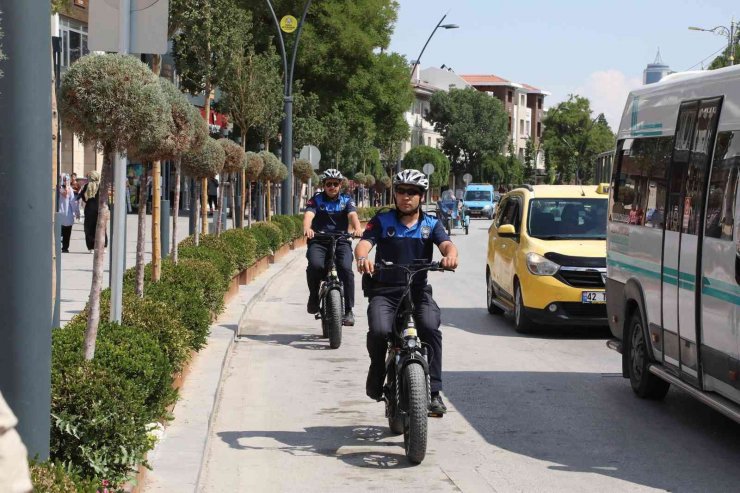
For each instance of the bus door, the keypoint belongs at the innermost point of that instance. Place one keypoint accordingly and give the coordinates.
(720, 296)
(687, 180)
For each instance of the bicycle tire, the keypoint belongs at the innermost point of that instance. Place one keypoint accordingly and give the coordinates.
(333, 317)
(417, 406)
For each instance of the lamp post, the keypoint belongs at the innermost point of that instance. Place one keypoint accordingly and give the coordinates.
(288, 71)
(439, 24)
(730, 33)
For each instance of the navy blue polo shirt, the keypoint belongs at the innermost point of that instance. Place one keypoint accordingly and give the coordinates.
(401, 245)
(331, 215)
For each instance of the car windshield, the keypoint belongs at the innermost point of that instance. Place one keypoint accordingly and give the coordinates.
(478, 195)
(567, 219)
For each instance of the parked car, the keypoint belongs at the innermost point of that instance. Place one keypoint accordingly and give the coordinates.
(479, 200)
(547, 256)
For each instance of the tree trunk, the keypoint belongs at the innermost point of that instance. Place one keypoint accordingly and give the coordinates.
(220, 205)
(156, 220)
(93, 319)
(204, 183)
(232, 194)
(54, 187)
(196, 238)
(249, 204)
(176, 207)
(268, 201)
(204, 206)
(141, 235)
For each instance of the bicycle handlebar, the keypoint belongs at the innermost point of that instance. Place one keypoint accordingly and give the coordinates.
(415, 267)
(331, 234)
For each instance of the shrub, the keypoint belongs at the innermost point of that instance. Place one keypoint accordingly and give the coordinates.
(98, 421)
(213, 250)
(242, 243)
(285, 223)
(52, 477)
(190, 307)
(262, 241)
(129, 353)
(273, 234)
(297, 225)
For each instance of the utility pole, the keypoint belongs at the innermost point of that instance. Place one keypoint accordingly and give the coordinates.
(729, 32)
(26, 272)
(287, 25)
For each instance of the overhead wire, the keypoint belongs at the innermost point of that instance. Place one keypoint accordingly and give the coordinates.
(705, 59)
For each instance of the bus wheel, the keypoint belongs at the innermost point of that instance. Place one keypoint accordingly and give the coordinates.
(644, 383)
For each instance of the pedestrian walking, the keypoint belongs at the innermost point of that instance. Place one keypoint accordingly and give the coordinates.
(89, 195)
(212, 194)
(66, 201)
(75, 199)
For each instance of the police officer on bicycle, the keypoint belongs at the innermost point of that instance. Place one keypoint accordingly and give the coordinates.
(330, 210)
(402, 236)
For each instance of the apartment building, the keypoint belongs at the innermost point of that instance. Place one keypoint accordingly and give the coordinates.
(525, 106)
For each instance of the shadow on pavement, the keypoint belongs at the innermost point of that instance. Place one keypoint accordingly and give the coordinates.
(589, 422)
(479, 321)
(297, 341)
(325, 440)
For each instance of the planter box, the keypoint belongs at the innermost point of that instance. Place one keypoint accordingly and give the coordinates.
(281, 252)
(244, 277)
(233, 289)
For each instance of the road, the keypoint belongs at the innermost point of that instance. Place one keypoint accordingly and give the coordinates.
(544, 412)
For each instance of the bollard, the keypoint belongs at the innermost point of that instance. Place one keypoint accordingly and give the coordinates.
(191, 212)
(164, 227)
(56, 319)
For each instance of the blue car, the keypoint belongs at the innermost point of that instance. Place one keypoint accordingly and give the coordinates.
(480, 200)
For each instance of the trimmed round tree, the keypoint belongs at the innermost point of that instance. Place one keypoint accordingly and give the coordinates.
(236, 162)
(417, 157)
(255, 163)
(206, 162)
(113, 102)
(302, 170)
(270, 172)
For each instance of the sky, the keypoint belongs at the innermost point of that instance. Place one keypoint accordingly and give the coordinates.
(596, 48)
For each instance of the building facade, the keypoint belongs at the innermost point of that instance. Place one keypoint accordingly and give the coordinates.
(524, 105)
(655, 71)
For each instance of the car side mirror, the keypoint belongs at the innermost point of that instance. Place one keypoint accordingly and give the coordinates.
(506, 231)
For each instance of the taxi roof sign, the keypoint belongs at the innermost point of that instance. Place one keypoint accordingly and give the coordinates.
(603, 188)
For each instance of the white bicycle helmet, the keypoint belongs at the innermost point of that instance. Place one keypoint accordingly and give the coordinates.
(411, 177)
(332, 174)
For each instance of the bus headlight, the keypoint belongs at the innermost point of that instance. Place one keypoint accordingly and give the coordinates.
(540, 266)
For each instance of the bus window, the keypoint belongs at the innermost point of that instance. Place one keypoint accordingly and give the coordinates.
(723, 186)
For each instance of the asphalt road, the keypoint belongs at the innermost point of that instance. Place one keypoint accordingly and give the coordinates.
(545, 412)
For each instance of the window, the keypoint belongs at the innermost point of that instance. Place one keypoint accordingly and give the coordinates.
(510, 214)
(509, 124)
(478, 196)
(510, 96)
(723, 187)
(567, 218)
(429, 141)
(698, 169)
(640, 182)
(74, 40)
(522, 100)
(539, 103)
(521, 127)
(539, 129)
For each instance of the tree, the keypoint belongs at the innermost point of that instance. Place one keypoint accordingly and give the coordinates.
(417, 157)
(255, 163)
(530, 161)
(114, 102)
(235, 163)
(573, 139)
(204, 163)
(271, 172)
(208, 35)
(472, 124)
(723, 60)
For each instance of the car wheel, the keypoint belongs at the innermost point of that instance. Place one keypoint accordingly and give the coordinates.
(644, 383)
(491, 295)
(522, 323)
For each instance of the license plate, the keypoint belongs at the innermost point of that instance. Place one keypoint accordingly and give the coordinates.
(597, 297)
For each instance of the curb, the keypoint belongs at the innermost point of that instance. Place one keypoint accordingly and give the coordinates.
(177, 459)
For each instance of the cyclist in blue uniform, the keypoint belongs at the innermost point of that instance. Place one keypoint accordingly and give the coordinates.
(330, 210)
(402, 236)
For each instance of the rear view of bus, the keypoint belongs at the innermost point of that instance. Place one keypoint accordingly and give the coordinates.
(673, 239)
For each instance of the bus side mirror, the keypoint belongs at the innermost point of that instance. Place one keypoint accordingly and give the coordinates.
(506, 231)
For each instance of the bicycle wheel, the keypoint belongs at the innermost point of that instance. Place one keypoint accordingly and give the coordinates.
(417, 407)
(333, 317)
(395, 418)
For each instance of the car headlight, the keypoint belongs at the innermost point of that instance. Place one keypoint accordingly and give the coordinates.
(540, 266)
(487, 207)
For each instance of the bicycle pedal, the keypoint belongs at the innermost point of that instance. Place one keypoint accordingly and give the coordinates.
(430, 414)
(317, 316)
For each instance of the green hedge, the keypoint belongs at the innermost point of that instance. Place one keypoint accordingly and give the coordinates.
(101, 408)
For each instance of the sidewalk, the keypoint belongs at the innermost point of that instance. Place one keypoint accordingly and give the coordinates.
(77, 264)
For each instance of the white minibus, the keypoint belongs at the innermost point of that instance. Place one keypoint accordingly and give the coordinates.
(673, 238)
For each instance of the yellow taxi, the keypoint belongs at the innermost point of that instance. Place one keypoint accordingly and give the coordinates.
(546, 260)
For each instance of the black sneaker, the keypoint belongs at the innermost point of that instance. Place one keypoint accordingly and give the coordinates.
(374, 385)
(437, 408)
(348, 319)
(312, 306)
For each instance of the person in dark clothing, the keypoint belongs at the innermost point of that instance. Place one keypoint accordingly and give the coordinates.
(402, 236)
(90, 195)
(330, 210)
(212, 194)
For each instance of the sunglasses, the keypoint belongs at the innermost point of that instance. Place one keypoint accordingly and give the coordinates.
(331, 184)
(411, 192)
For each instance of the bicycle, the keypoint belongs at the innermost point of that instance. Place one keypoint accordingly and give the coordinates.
(331, 292)
(407, 391)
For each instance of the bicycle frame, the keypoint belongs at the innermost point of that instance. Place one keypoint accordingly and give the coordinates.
(332, 277)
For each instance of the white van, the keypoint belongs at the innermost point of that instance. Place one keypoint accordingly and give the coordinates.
(673, 238)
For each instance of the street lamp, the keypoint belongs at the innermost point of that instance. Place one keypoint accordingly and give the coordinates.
(439, 24)
(729, 33)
